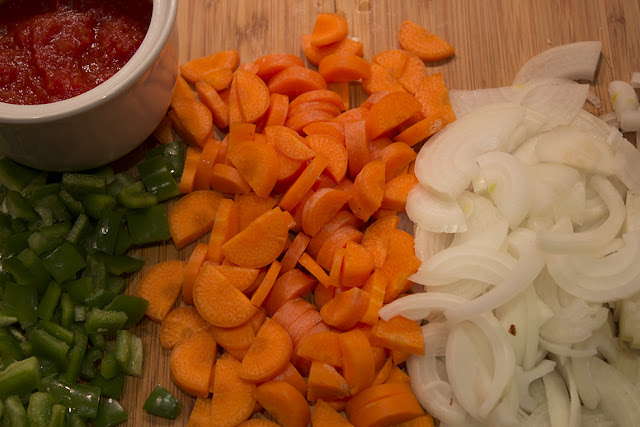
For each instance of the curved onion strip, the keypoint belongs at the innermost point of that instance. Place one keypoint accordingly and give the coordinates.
(486, 226)
(526, 152)
(623, 98)
(564, 368)
(592, 124)
(626, 160)
(575, 323)
(539, 417)
(464, 288)
(632, 220)
(557, 399)
(566, 351)
(513, 317)
(433, 213)
(562, 242)
(419, 306)
(574, 61)
(526, 269)
(581, 367)
(524, 378)
(559, 100)
(509, 184)
(558, 190)
(465, 262)
(507, 411)
(427, 243)
(466, 101)
(446, 163)
(619, 397)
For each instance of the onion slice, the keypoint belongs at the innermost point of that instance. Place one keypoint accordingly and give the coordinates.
(432, 212)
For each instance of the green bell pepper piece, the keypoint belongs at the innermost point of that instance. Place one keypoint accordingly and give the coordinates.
(157, 178)
(14, 414)
(57, 331)
(162, 403)
(39, 409)
(75, 420)
(82, 399)
(64, 262)
(106, 232)
(54, 204)
(20, 377)
(58, 415)
(76, 354)
(80, 228)
(129, 353)
(49, 347)
(48, 238)
(73, 205)
(110, 413)
(96, 204)
(14, 243)
(111, 387)
(19, 206)
(119, 182)
(133, 306)
(135, 196)
(98, 341)
(80, 184)
(10, 350)
(102, 321)
(27, 269)
(49, 301)
(15, 176)
(19, 301)
(109, 367)
(148, 225)
(88, 368)
(66, 310)
(172, 154)
(120, 264)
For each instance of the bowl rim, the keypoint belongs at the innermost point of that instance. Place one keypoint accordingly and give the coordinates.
(163, 17)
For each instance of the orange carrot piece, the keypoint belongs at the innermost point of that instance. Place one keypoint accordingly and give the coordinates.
(180, 324)
(286, 404)
(295, 251)
(209, 97)
(239, 277)
(294, 283)
(207, 160)
(400, 243)
(399, 333)
(314, 105)
(323, 347)
(357, 358)
(197, 257)
(323, 294)
(336, 241)
(192, 216)
(196, 120)
(268, 355)
(235, 113)
(397, 269)
(324, 415)
(260, 243)
(233, 399)
(343, 67)
(258, 422)
(253, 95)
(278, 109)
(367, 190)
(376, 237)
(325, 95)
(192, 160)
(257, 162)
(292, 376)
(383, 373)
(335, 152)
(271, 64)
(390, 111)
(304, 182)
(375, 286)
(345, 309)
(161, 286)
(321, 208)
(399, 356)
(290, 311)
(304, 325)
(217, 78)
(325, 128)
(422, 130)
(352, 115)
(357, 265)
(226, 179)
(374, 393)
(357, 145)
(433, 96)
(164, 133)
(296, 80)
(377, 145)
(192, 361)
(393, 60)
(396, 157)
(397, 190)
(344, 217)
(249, 67)
(225, 226)
(251, 206)
(289, 169)
(288, 142)
(315, 269)
(315, 53)
(421, 42)
(413, 73)
(342, 89)
(373, 98)
(182, 90)
(304, 365)
(219, 302)
(388, 410)
(381, 80)
(267, 283)
(422, 421)
(196, 69)
(325, 382)
(335, 274)
(329, 28)
(240, 132)
(307, 117)
(200, 415)
(234, 339)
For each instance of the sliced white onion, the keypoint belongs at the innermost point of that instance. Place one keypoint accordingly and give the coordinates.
(594, 99)
(557, 399)
(632, 218)
(581, 367)
(507, 411)
(590, 123)
(623, 97)
(466, 101)
(574, 61)
(539, 417)
(630, 120)
(626, 161)
(558, 191)
(427, 243)
(559, 100)
(611, 119)
(432, 212)
(526, 152)
(525, 378)
(446, 164)
(566, 350)
(563, 242)
(486, 226)
(563, 366)
(629, 321)
(419, 306)
(465, 288)
(574, 323)
(619, 397)
(509, 184)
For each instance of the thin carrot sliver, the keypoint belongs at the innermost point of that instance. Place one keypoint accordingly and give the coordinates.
(192, 361)
(226, 179)
(192, 160)
(198, 256)
(426, 45)
(225, 225)
(213, 101)
(267, 283)
(161, 286)
(316, 271)
(295, 251)
(304, 182)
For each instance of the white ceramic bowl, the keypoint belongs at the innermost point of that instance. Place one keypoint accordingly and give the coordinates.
(104, 123)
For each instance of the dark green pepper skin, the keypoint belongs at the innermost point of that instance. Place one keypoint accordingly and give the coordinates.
(162, 403)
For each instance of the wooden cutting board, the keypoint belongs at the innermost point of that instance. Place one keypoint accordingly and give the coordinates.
(493, 39)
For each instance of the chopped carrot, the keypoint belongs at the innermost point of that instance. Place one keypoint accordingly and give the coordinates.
(345, 309)
(325, 128)
(367, 190)
(235, 112)
(271, 64)
(225, 225)
(292, 284)
(217, 78)
(323, 347)
(277, 112)
(422, 421)
(218, 301)
(234, 339)
(182, 90)
(226, 179)
(393, 60)
(200, 415)
(240, 132)
(268, 355)
(260, 243)
(397, 269)
(350, 116)
(308, 117)
(191, 163)
(383, 373)
(433, 96)
(358, 364)
(400, 243)
(399, 356)
(396, 157)
(389, 410)
(422, 130)
(266, 284)
(192, 361)
(198, 256)
(376, 237)
(343, 90)
(288, 142)
(196, 120)
(325, 95)
(249, 67)
(381, 80)
(397, 190)
(373, 98)
(251, 206)
(303, 325)
(343, 67)
(161, 286)
(336, 241)
(295, 251)
(321, 208)
(357, 265)
(329, 28)
(164, 133)
(326, 107)
(335, 152)
(315, 53)
(341, 218)
(289, 169)
(413, 73)
(285, 403)
(324, 415)
(399, 333)
(315, 269)
(374, 393)
(239, 277)
(291, 375)
(207, 160)
(197, 69)
(253, 95)
(335, 274)
(390, 111)
(376, 285)
(257, 162)
(290, 311)
(296, 80)
(304, 182)
(377, 145)
(179, 324)
(258, 422)
(233, 398)
(325, 382)
(211, 98)
(421, 42)
(355, 137)
(192, 216)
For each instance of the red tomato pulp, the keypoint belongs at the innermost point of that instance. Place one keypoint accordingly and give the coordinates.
(51, 50)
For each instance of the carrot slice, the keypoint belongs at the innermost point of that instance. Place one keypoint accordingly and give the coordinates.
(413, 74)
(277, 112)
(253, 95)
(344, 217)
(326, 95)
(367, 190)
(381, 80)
(421, 42)
(396, 157)
(290, 311)
(285, 403)
(207, 160)
(375, 286)
(321, 346)
(240, 132)
(315, 53)
(237, 338)
(399, 333)
(217, 78)
(321, 208)
(258, 422)
(343, 90)
(423, 421)
(383, 372)
(345, 309)
(198, 256)
(389, 410)
(239, 277)
(164, 132)
(191, 162)
(200, 415)
(271, 64)
(196, 69)
(305, 118)
(182, 90)
(213, 101)
(325, 382)
(352, 115)
(192, 361)
(161, 286)
(324, 415)
(233, 401)
(400, 243)
(304, 182)
(315, 269)
(251, 206)
(268, 355)
(219, 302)
(343, 67)
(303, 325)
(294, 283)
(192, 216)
(288, 142)
(390, 111)
(180, 324)
(357, 358)
(196, 120)
(296, 80)
(315, 105)
(325, 128)
(376, 237)
(329, 28)
(295, 251)
(291, 375)
(335, 152)
(266, 284)
(257, 162)
(336, 241)
(396, 192)
(422, 130)
(226, 179)
(356, 266)
(357, 145)
(225, 226)
(260, 243)
(335, 274)
(393, 60)
(433, 96)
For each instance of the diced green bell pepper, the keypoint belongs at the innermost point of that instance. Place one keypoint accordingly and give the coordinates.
(10, 350)
(76, 354)
(148, 225)
(82, 399)
(172, 154)
(106, 232)
(110, 413)
(20, 377)
(135, 196)
(39, 409)
(19, 206)
(58, 416)
(19, 301)
(101, 321)
(48, 238)
(96, 204)
(111, 387)
(80, 184)
(133, 306)
(15, 176)
(14, 414)
(49, 347)
(49, 301)
(129, 353)
(64, 262)
(162, 403)
(157, 178)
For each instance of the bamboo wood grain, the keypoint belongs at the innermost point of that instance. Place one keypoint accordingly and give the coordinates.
(493, 39)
